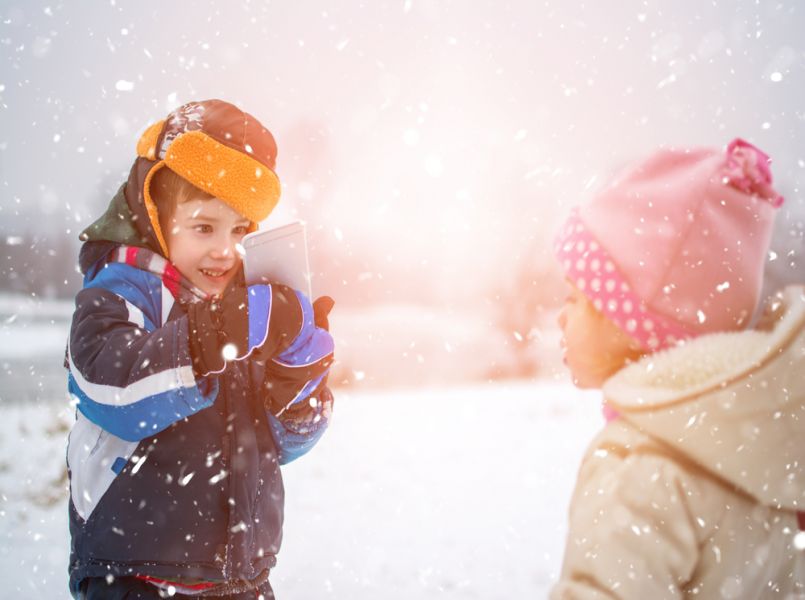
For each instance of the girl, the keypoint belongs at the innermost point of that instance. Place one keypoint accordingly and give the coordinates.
(693, 486)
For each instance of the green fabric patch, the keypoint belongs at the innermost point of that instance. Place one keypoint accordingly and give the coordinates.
(115, 225)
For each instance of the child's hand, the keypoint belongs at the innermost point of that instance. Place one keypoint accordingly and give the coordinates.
(231, 327)
(298, 372)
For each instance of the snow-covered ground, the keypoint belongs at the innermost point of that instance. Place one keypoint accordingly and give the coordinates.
(448, 492)
(458, 492)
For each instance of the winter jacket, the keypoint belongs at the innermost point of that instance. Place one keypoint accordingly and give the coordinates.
(173, 475)
(694, 490)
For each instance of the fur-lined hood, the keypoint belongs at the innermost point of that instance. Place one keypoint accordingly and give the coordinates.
(734, 403)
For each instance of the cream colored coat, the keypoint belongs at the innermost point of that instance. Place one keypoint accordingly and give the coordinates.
(693, 491)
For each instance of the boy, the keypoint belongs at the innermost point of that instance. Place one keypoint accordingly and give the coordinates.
(191, 387)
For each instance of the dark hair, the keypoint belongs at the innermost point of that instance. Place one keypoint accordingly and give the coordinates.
(168, 190)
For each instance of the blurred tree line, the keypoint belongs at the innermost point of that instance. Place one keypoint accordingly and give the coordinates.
(39, 263)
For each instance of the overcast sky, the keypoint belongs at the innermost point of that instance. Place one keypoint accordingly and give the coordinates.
(441, 138)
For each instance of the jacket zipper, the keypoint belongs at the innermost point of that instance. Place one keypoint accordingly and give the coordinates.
(225, 462)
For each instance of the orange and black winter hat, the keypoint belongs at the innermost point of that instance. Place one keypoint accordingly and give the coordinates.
(218, 148)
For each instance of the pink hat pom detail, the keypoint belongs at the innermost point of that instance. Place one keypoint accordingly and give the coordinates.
(747, 169)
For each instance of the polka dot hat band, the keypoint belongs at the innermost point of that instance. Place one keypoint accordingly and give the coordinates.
(592, 270)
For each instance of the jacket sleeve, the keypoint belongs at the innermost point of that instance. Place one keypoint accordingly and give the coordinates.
(299, 428)
(131, 375)
(294, 388)
(633, 533)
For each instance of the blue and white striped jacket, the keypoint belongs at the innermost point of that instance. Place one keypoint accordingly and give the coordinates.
(171, 475)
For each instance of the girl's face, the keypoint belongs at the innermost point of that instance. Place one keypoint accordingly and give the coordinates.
(201, 242)
(594, 348)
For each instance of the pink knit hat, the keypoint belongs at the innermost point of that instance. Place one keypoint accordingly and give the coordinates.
(675, 246)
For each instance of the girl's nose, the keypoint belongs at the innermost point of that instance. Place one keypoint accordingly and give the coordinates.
(561, 319)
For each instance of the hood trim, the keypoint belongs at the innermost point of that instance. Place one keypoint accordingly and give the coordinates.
(744, 418)
(791, 322)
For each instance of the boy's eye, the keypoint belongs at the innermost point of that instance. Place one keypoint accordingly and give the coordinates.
(241, 230)
(204, 228)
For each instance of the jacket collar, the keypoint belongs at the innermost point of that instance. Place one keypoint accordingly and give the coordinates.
(731, 402)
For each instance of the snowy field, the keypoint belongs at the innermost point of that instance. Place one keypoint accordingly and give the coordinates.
(425, 493)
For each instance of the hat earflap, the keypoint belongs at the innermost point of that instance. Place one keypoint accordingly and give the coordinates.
(147, 144)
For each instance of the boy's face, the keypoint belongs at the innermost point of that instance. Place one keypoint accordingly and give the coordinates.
(594, 347)
(201, 242)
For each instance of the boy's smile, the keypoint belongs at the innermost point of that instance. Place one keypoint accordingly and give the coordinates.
(201, 242)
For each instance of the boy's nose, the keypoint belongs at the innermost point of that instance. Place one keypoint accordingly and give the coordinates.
(224, 250)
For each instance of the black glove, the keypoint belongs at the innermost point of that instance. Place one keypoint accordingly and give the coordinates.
(299, 374)
(230, 327)
(321, 309)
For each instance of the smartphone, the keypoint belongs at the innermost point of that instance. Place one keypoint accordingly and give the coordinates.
(278, 255)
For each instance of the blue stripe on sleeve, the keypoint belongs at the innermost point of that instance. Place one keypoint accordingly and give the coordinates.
(146, 417)
(142, 289)
(259, 312)
(317, 344)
